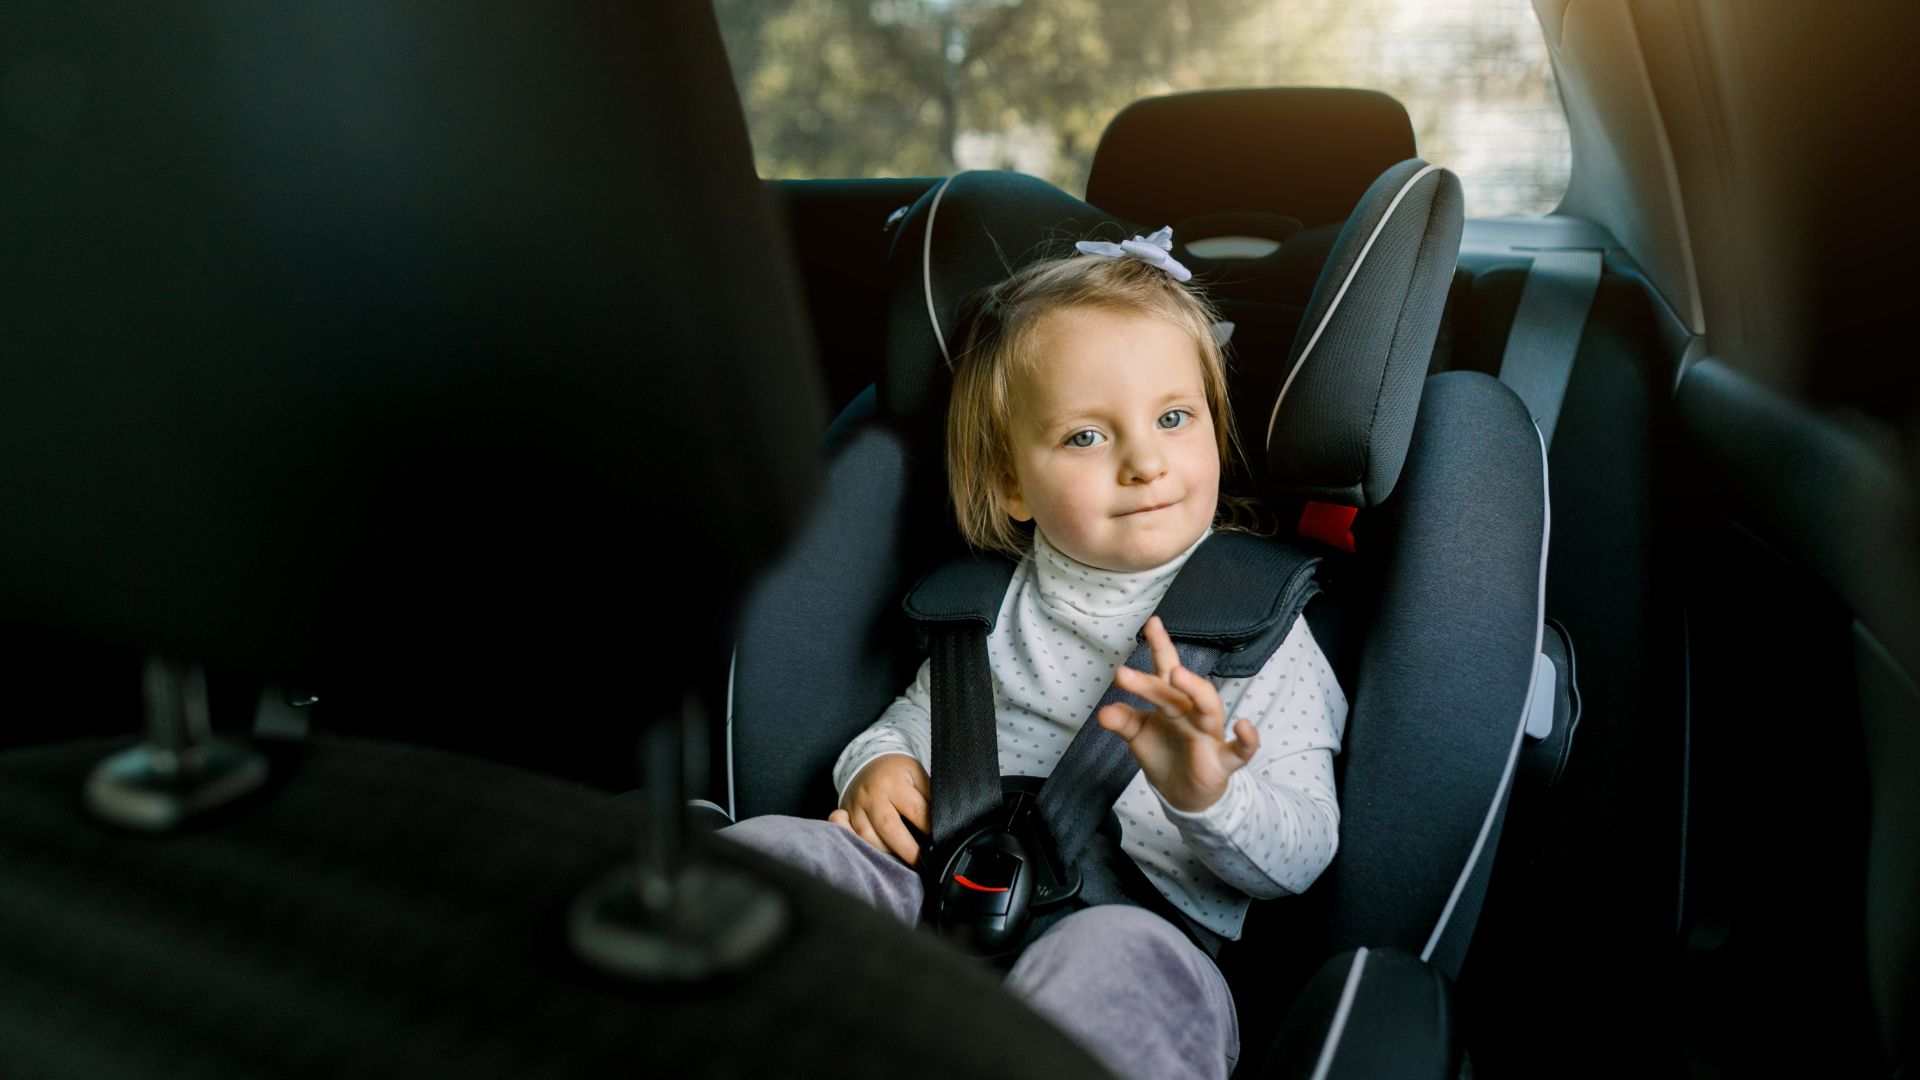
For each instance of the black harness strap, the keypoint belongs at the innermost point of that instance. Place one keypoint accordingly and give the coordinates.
(1076, 798)
(955, 608)
(1097, 765)
(966, 767)
(1227, 612)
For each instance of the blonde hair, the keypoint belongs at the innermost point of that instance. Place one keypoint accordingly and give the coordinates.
(998, 342)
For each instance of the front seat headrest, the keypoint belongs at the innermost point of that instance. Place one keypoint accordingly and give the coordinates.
(343, 334)
(1306, 153)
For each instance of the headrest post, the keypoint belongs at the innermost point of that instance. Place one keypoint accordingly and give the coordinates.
(181, 771)
(673, 918)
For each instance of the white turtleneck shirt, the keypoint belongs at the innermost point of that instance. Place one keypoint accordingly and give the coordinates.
(1063, 628)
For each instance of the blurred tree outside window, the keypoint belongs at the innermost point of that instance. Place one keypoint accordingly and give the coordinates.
(858, 88)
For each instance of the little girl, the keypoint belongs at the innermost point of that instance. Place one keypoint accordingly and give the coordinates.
(1089, 403)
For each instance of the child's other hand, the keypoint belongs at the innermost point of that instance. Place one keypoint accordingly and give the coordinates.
(887, 792)
(1181, 743)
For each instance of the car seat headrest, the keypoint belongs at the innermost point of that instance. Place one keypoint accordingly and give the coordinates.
(330, 337)
(1346, 391)
(1297, 152)
(968, 232)
(1343, 414)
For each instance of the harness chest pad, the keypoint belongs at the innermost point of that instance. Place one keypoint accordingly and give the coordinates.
(1239, 593)
(966, 589)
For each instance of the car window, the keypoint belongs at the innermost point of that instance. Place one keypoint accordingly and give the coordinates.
(862, 88)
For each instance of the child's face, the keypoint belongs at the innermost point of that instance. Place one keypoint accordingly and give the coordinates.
(1114, 452)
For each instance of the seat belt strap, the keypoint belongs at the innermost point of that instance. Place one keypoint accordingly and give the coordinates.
(1091, 774)
(1227, 612)
(1083, 786)
(1110, 876)
(1546, 331)
(1097, 766)
(966, 733)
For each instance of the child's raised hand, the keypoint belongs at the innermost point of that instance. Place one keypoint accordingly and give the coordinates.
(887, 792)
(1181, 743)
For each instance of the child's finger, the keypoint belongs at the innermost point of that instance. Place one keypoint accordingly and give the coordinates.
(1208, 711)
(863, 828)
(912, 806)
(898, 840)
(1165, 657)
(1246, 740)
(917, 776)
(1123, 720)
(1158, 692)
(839, 817)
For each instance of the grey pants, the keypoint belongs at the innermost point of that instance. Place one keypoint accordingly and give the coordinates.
(1122, 981)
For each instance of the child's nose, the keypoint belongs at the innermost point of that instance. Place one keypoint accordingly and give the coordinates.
(1142, 464)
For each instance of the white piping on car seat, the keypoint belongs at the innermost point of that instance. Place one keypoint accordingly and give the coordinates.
(733, 661)
(1379, 227)
(926, 269)
(1520, 729)
(1340, 1013)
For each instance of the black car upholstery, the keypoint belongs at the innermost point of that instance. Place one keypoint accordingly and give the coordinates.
(402, 364)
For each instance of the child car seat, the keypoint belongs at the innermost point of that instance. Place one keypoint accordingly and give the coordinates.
(1260, 182)
(1442, 596)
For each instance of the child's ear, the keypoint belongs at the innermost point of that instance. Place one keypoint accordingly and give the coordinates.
(1011, 500)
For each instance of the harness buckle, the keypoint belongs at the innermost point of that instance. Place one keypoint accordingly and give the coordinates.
(996, 878)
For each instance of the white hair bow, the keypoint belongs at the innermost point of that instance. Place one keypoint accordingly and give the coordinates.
(1154, 250)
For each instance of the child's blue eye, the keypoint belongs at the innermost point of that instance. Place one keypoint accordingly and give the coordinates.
(1173, 418)
(1084, 439)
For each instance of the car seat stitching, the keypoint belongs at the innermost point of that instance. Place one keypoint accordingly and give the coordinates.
(1327, 318)
(1400, 320)
(1513, 751)
(1340, 1013)
(733, 665)
(926, 268)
